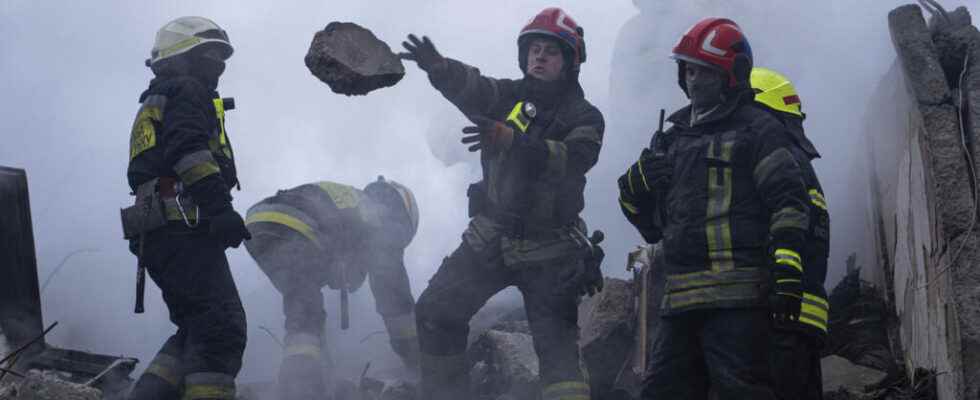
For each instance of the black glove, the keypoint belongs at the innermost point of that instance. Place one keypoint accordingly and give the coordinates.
(644, 178)
(229, 228)
(587, 278)
(488, 135)
(787, 286)
(423, 52)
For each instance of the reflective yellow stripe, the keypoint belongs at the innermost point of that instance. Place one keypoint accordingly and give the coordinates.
(198, 172)
(643, 175)
(817, 301)
(789, 257)
(343, 196)
(788, 218)
(815, 311)
(165, 367)
(183, 44)
(283, 219)
(219, 111)
(209, 385)
(629, 178)
(517, 117)
(196, 392)
(570, 390)
(308, 350)
(788, 281)
(629, 207)
(813, 322)
(718, 226)
(817, 199)
(713, 295)
(220, 144)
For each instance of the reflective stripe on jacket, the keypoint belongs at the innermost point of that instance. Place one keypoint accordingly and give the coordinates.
(736, 194)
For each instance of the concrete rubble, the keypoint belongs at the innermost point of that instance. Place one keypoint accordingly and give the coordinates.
(47, 385)
(351, 60)
(841, 374)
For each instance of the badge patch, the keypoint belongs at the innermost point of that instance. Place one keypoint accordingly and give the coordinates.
(144, 135)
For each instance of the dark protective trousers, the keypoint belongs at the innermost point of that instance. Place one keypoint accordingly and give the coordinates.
(796, 373)
(725, 350)
(299, 271)
(193, 274)
(460, 287)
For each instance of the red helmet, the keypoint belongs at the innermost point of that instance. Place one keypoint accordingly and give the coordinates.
(553, 22)
(717, 43)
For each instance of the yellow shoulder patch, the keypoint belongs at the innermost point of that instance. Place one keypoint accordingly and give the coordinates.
(144, 136)
(343, 196)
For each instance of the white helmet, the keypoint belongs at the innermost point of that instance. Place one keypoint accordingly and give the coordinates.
(411, 206)
(406, 199)
(185, 33)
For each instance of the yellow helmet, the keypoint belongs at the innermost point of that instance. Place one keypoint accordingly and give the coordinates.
(775, 91)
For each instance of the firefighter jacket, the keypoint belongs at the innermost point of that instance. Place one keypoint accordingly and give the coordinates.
(179, 135)
(530, 197)
(815, 307)
(558, 135)
(341, 222)
(736, 194)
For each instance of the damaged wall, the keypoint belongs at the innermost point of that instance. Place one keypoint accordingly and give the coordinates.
(20, 307)
(923, 196)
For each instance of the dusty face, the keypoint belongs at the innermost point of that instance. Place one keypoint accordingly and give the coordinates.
(545, 60)
(705, 85)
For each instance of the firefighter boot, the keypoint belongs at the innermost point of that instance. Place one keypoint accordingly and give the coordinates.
(301, 376)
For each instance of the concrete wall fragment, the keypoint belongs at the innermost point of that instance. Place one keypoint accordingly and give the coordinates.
(924, 198)
(20, 303)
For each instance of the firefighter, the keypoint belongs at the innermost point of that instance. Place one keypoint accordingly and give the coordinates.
(537, 137)
(180, 156)
(330, 234)
(723, 194)
(797, 343)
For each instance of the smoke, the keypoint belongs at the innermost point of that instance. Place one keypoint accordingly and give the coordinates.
(73, 72)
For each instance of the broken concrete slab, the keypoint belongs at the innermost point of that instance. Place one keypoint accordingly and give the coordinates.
(918, 55)
(20, 300)
(47, 386)
(927, 84)
(839, 373)
(504, 363)
(399, 390)
(351, 60)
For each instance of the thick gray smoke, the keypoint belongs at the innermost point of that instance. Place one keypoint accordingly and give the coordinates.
(72, 73)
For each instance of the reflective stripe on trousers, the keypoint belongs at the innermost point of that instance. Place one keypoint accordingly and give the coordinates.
(570, 390)
(209, 385)
(166, 367)
(302, 344)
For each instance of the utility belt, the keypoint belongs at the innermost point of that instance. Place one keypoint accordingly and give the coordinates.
(158, 202)
(520, 227)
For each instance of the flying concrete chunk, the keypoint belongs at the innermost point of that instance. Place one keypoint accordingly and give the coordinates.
(351, 60)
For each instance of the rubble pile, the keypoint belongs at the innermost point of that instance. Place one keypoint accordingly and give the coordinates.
(351, 60)
(47, 385)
